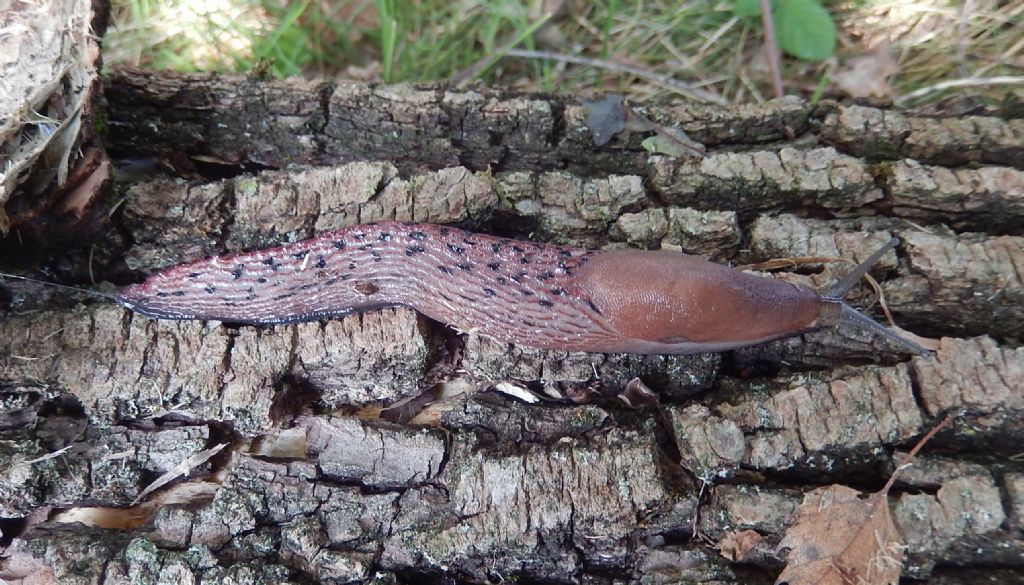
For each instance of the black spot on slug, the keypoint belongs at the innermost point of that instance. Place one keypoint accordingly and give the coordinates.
(524, 260)
(384, 237)
(193, 275)
(526, 293)
(300, 255)
(178, 293)
(501, 280)
(489, 292)
(366, 247)
(495, 247)
(162, 294)
(413, 250)
(261, 279)
(545, 275)
(546, 303)
(558, 291)
(494, 265)
(444, 269)
(456, 249)
(321, 262)
(464, 266)
(519, 249)
(565, 254)
(269, 261)
(351, 265)
(339, 244)
(237, 272)
(418, 235)
(210, 289)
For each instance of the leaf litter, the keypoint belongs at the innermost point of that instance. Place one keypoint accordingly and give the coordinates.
(841, 536)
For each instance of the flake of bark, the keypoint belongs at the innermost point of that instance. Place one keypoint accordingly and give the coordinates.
(675, 564)
(349, 451)
(929, 472)
(560, 372)
(504, 508)
(710, 234)
(233, 120)
(966, 511)
(974, 284)
(987, 199)
(977, 375)
(809, 417)
(499, 423)
(108, 467)
(882, 134)
(236, 120)
(710, 447)
(564, 208)
(1014, 484)
(124, 368)
(760, 180)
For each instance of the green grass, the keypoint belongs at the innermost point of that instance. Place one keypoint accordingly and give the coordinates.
(700, 42)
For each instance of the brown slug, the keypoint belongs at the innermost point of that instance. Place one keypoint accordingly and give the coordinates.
(537, 295)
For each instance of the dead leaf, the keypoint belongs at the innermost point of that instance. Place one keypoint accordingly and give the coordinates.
(737, 544)
(606, 117)
(868, 75)
(638, 395)
(839, 536)
(842, 538)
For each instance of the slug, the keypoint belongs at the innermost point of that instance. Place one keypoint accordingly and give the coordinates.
(537, 295)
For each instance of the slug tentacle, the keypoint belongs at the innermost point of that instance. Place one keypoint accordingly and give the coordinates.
(538, 295)
(840, 312)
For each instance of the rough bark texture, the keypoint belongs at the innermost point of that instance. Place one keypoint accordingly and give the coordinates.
(274, 462)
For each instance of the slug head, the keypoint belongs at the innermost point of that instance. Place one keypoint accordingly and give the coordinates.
(835, 311)
(671, 298)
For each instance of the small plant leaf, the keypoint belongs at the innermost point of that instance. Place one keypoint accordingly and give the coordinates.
(804, 29)
(746, 8)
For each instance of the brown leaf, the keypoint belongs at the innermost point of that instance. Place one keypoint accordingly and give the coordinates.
(841, 537)
(737, 544)
(868, 75)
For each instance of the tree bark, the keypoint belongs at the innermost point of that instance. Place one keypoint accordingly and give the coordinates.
(154, 451)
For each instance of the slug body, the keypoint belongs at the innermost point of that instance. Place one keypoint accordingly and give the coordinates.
(537, 295)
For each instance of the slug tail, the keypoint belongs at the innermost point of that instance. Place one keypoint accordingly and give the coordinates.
(848, 315)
